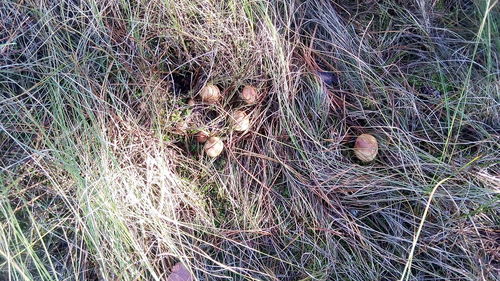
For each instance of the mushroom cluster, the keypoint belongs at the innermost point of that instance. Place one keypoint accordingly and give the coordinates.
(239, 119)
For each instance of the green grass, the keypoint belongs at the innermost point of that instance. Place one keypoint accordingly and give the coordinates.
(96, 183)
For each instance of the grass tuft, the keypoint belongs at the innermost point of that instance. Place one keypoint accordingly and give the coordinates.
(98, 183)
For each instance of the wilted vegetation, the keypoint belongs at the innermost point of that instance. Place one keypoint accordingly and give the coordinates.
(102, 176)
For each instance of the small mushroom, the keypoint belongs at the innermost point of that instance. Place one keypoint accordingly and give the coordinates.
(213, 147)
(210, 94)
(249, 94)
(366, 147)
(180, 273)
(191, 102)
(241, 121)
(202, 136)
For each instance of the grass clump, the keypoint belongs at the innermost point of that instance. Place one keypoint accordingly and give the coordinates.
(96, 185)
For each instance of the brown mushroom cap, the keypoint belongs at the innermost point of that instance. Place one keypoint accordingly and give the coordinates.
(213, 147)
(241, 121)
(202, 136)
(210, 94)
(249, 94)
(366, 147)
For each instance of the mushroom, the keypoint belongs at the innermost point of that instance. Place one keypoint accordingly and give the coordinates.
(241, 121)
(213, 146)
(191, 102)
(202, 136)
(366, 147)
(210, 94)
(249, 94)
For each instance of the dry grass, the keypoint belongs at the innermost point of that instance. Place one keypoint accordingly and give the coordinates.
(96, 184)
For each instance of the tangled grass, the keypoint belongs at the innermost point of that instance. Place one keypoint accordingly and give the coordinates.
(95, 184)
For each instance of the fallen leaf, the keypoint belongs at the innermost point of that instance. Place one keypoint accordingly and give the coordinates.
(180, 273)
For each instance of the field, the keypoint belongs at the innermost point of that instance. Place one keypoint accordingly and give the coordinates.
(101, 176)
